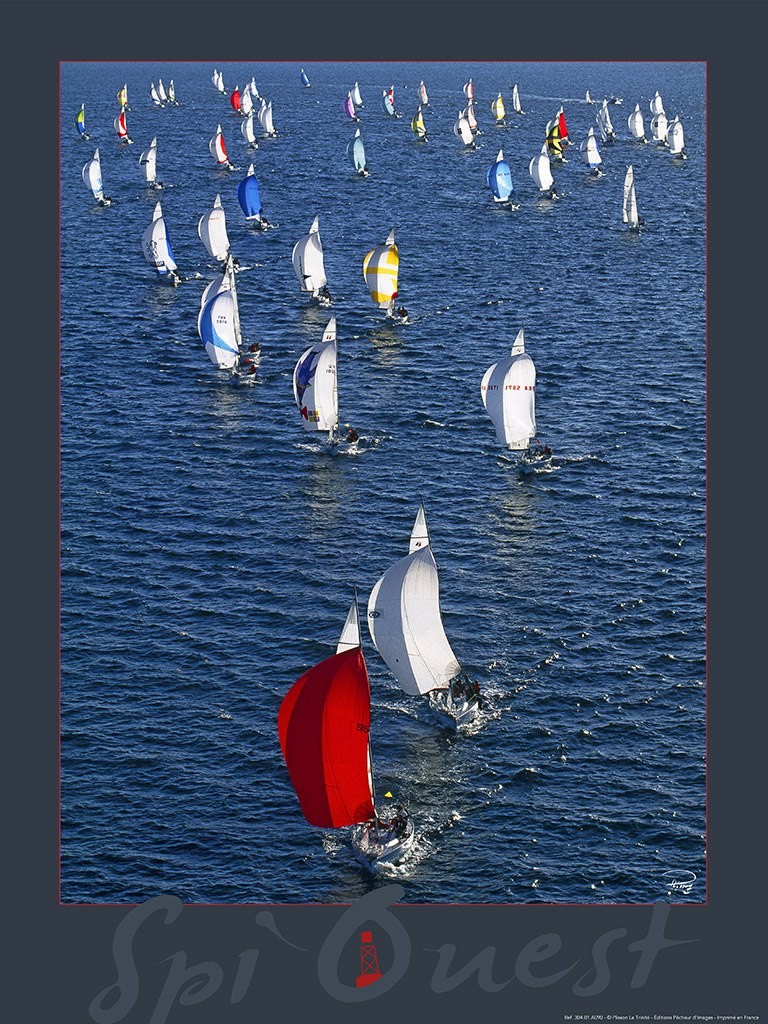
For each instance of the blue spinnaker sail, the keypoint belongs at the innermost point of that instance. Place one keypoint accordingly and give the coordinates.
(216, 327)
(248, 196)
(500, 179)
(356, 153)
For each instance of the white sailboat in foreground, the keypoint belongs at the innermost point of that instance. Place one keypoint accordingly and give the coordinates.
(324, 730)
(218, 322)
(508, 390)
(315, 386)
(308, 264)
(406, 627)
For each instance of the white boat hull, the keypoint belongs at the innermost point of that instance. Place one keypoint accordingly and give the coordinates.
(384, 848)
(455, 714)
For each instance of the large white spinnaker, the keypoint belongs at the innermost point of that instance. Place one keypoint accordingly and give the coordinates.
(656, 104)
(212, 230)
(248, 132)
(92, 177)
(406, 626)
(314, 384)
(218, 324)
(508, 390)
(540, 170)
(659, 127)
(463, 131)
(307, 257)
(676, 137)
(148, 162)
(156, 245)
(630, 215)
(635, 124)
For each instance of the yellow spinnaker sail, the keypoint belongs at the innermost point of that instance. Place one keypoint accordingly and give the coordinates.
(498, 108)
(380, 268)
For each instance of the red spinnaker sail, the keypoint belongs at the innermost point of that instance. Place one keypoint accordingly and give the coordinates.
(561, 124)
(234, 99)
(323, 725)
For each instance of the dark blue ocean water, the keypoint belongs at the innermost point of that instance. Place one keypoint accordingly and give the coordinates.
(210, 547)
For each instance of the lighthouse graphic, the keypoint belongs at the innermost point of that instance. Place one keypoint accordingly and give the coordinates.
(369, 961)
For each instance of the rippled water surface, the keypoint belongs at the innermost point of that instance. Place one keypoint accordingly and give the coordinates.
(210, 548)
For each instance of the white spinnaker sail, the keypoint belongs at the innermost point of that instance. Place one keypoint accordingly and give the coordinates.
(246, 102)
(92, 176)
(629, 210)
(419, 533)
(350, 634)
(635, 123)
(675, 137)
(155, 244)
(590, 154)
(246, 129)
(656, 104)
(307, 259)
(220, 283)
(541, 170)
(314, 384)
(217, 147)
(212, 230)
(462, 130)
(508, 390)
(148, 162)
(659, 127)
(406, 626)
(269, 128)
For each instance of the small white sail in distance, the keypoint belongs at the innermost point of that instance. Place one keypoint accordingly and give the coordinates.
(630, 215)
(307, 257)
(508, 390)
(406, 626)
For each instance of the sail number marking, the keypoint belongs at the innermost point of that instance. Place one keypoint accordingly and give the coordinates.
(360, 727)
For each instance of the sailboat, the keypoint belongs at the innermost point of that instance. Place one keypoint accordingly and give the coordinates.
(121, 128)
(250, 200)
(406, 627)
(516, 105)
(307, 259)
(219, 83)
(508, 390)
(462, 130)
(607, 132)
(172, 94)
(629, 214)
(676, 139)
(540, 170)
(215, 79)
(357, 99)
(636, 125)
(388, 101)
(154, 95)
(247, 131)
(590, 153)
(156, 246)
(657, 104)
(304, 79)
(315, 386)
(418, 126)
(587, 97)
(356, 155)
(324, 729)
(553, 141)
(380, 268)
(122, 97)
(469, 90)
(498, 111)
(246, 102)
(161, 92)
(218, 149)
(265, 118)
(349, 108)
(423, 97)
(500, 182)
(212, 231)
(80, 122)
(92, 179)
(148, 163)
(469, 113)
(234, 99)
(218, 322)
(659, 128)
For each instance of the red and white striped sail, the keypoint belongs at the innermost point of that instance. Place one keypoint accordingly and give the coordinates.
(218, 147)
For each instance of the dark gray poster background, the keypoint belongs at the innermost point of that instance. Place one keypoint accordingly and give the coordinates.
(519, 963)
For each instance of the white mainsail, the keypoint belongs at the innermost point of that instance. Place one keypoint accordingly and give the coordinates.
(357, 99)
(92, 177)
(540, 170)
(212, 230)
(314, 384)
(419, 533)
(406, 626)
(148, 162)
(350, 633)
(657, 106)
(629, 208)
(156, 245)
(676, 137)
(590, 154)
(516, 106)
(508, 390)
(246, 102)
(161, 91)
(462, 130)
(155, 96)
(307, 257)
(247, 131)
(635, 123)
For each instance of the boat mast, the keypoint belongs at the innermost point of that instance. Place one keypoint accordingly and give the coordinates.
(235, 309)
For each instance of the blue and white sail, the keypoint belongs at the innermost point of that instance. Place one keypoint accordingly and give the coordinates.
(248, 196)
(308, 262)
(590, 154)
(500, 179)
(508, 390)
(356, 154)
(212, 231)
(305, 79)
(218, 323)
(388, 101)
(315, 387)
(156, 245)
(92, 178)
